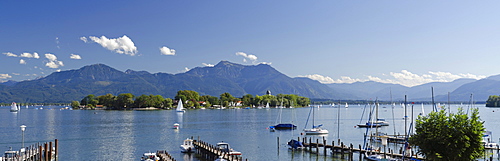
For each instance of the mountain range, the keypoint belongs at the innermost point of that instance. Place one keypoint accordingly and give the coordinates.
(236, 79)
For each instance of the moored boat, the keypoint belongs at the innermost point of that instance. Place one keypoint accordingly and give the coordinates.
(14, 108)
(187, 146)
(150, 157)
(224, 147)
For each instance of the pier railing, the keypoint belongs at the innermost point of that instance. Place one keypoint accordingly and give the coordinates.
(210, 152)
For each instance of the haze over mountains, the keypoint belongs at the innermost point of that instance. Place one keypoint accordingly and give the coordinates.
(236, 79)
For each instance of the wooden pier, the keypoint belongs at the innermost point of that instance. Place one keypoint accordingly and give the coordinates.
(210, 152)
(347, 151)
(38, 152)
(164, 156)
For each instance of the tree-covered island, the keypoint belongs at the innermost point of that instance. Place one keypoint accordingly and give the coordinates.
(191, 100)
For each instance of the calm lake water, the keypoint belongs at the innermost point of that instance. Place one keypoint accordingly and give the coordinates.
(125, 135)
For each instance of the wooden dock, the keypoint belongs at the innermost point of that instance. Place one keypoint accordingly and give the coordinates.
(210, 152)
(347, 151)
(164, 156)
(38, 152)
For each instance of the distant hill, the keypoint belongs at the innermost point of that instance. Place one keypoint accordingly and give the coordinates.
(382, 91)
(100, 79)
(237, 79)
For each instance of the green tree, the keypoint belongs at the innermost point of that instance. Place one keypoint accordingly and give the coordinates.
(75, 104)
(442, 136)
(168, 102)
(89, 101)
(247, 100)
(106, 100)
(493, 101)
(124, 100)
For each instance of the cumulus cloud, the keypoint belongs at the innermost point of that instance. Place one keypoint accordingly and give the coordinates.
(5, 76)
(53, 62)
(120, 45)
(186, 69)
(74, 56)
(10, 54)
(22, 61)
(208, 65)
(29, 55)
(405, 78)
(250, 57)
(166, 51)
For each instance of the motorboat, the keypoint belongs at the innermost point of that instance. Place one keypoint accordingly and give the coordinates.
(284, 127)
(176, 126)
(14, 108)
(224, 147)
(187, 146)
(150, 157)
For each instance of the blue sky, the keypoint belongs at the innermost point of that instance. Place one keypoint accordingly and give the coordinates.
(403, 42)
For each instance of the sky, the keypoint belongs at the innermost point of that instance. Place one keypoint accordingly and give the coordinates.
(390, 41)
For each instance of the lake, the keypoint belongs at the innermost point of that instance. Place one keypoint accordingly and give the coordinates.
(86, 135)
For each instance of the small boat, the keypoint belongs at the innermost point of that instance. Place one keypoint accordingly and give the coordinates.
(294, 144)
(315, 130)
(284, 127)
(150, 157)
(221, 158)
(487, 140)
(180, 107)
(176, 126)
(224, 147)
(187, 146)
(14, 108)
(346, 105)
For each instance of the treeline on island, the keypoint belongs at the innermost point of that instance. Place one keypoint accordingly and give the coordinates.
(191, 99)
(493, 101)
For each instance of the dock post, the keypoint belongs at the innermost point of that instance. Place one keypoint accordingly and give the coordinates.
(360, 152)
(341, 149)
(46, 152)
(317, 147)
(310, 144)
(278, 141)
(324, 146)
(50, 150)
(57, 148)
(333, 148)
(351, 152)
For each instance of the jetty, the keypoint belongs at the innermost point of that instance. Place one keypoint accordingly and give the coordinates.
(347, 151)
(164, 156)
(37, 152)
(211, 152)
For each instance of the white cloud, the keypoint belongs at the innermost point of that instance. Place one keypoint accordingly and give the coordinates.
(58, 70)
(268, 63)
(10, 54)
(84, 39)
(16, 73)
(36, 56)
(166, 51)
(251, 57)
(53, 62)
(208, 65)
(186, 69)
(320, 78)
(51, 57)
(29, 55)
(22, 61)
(74, 56)
(5, 76)
(120, 45)
(405, 78)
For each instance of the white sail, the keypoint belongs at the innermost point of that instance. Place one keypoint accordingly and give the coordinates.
(267, 105)
(346, 105)
(180, 107)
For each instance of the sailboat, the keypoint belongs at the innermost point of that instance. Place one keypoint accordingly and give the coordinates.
(267, 105)
(346, 105)
(180, 107)
(315, 130)
(374, 123)
(14, 108)
(282, 126)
